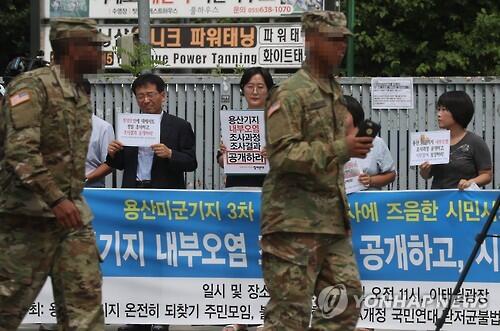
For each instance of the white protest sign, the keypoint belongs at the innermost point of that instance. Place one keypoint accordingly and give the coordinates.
(392, 93)
(243, 134)
(142, 130)
(430, 146)
(352, 170)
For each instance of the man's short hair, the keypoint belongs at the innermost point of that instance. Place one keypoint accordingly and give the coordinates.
(146, 79)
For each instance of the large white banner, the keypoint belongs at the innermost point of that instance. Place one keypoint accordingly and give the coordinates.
(119, 9)
(193, 257)
(212, 46)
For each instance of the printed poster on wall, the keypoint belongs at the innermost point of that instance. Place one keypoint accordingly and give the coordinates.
(430, 146)
(243, 134)
(120, 9)
(141, 130)
(392, 93)
(212, 46)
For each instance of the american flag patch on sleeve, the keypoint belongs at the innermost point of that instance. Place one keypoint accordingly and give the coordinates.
(19, 98)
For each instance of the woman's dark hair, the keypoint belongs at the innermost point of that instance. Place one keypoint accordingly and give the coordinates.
(145, 79)
(355, 109)
(459, 104)
(252, 71)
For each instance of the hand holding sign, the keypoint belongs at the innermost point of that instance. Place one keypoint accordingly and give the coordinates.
(114, 147)
(425, 170)
(162, 151)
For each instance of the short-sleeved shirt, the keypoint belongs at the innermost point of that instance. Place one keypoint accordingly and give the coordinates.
(378, 161)
(467, 157)
(102, 135)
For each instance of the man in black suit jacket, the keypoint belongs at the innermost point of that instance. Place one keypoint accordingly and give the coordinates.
(161, 165)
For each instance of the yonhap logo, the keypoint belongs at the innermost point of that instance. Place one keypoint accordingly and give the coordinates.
(333, 300)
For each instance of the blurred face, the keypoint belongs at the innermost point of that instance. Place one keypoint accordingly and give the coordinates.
(328, 49)
(445, 118)
(255, 92)
(150, 101)
(86, 55)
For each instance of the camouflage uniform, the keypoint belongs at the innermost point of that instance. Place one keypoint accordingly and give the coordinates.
(304, 206)
(44, 133)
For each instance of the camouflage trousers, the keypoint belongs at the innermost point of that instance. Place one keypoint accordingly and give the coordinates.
(297, 266)
(32, 248)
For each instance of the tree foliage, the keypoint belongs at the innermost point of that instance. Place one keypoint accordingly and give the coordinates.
(14, 30)
(140, 59)
(427, 38)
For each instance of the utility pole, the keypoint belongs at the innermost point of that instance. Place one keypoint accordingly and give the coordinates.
(144, 24)
(144, 21)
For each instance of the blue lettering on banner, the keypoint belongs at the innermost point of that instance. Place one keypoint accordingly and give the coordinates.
(399, 235)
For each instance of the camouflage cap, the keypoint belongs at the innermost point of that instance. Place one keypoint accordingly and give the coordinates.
(71, 27)
(326, 22)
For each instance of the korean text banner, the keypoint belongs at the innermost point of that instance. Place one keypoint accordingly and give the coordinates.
(212, 46)
(119, 9)
(192, 257)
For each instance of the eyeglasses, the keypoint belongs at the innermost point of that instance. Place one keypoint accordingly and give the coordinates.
(150, 95)
(251, 88)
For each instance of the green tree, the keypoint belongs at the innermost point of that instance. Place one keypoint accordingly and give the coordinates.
(140, 59)
(427, 38)
(15, 30)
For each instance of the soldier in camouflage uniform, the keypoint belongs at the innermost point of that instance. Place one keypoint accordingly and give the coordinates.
(45, 223)
(305, 225)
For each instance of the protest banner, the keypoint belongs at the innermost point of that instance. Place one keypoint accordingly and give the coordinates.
(244, 136)
(140, 130)
(192, 257)
(430, 146)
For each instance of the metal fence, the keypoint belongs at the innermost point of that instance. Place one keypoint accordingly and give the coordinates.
(200, 98)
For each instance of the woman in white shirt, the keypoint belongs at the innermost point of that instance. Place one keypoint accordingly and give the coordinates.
(377, 169)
